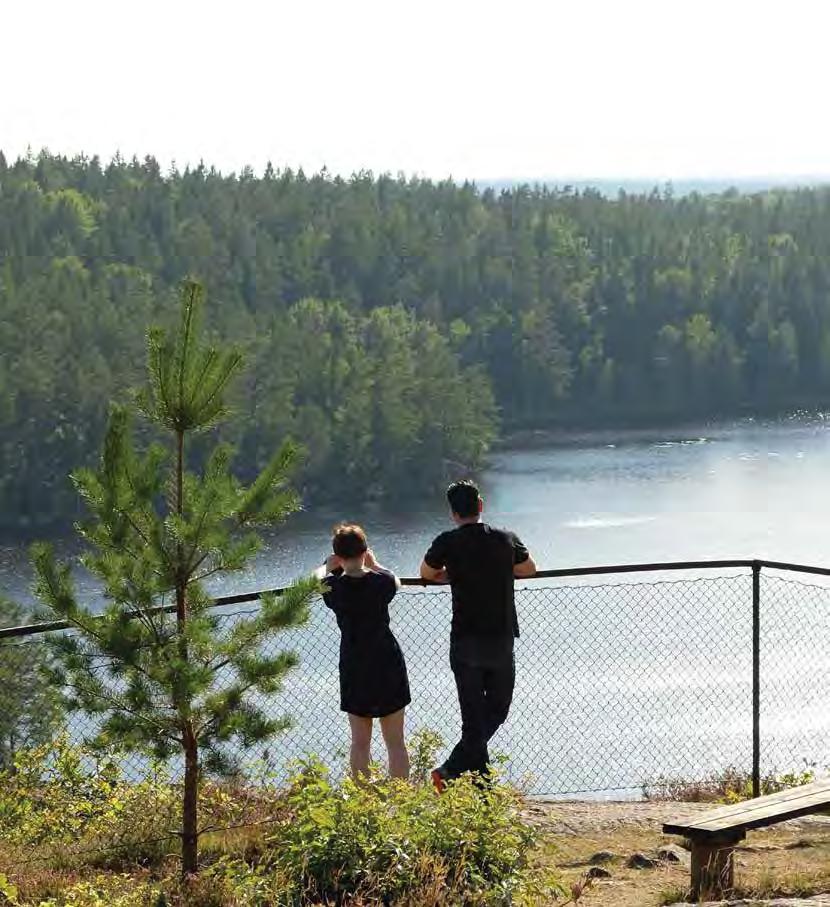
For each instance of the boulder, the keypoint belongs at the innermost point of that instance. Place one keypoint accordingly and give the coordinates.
(602, 856)
(641, 861)
(597, 872)
(672, 854)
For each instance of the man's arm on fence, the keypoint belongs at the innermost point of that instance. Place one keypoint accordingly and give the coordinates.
(433, 566)
(523, 563)
(525, 569)
(434, 574)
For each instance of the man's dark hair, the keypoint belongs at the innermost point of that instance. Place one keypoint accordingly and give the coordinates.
(349, 541)
(463, 497)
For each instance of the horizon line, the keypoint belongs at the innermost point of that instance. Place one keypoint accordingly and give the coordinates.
(799, 178)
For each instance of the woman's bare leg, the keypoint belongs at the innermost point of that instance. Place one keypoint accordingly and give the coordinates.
(361, 747)
(392, 728)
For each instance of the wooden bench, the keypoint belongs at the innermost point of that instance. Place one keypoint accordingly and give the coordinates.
(715, 833)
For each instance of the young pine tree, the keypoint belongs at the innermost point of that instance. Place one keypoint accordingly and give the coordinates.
(176, 681)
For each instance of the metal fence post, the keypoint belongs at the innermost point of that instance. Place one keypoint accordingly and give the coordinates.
(756, 679)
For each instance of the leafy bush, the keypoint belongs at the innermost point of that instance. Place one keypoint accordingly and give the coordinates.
(105, 891)
(393, 842)
(60, 794)
(66, 801)
(728, 786)
(67, 813)
(423, 748)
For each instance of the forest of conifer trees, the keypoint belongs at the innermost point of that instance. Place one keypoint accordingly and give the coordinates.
(395, 326)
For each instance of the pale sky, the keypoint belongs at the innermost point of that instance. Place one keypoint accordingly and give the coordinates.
(592, 88)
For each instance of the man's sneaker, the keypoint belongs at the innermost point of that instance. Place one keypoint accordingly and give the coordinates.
(439, 779)
(483, 780)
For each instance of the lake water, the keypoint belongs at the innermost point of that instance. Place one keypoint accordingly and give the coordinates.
(619, 680)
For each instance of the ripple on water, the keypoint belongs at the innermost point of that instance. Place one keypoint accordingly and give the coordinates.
(611, 522)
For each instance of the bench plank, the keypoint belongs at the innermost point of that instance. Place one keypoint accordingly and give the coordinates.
(715, 833)
(770, 815)
(780, 802)
(767, 810)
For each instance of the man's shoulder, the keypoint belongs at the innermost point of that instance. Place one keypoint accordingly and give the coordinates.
(445, 536)
(501, 532)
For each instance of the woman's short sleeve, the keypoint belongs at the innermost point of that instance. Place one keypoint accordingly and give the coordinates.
(388, 588)
(330, 595)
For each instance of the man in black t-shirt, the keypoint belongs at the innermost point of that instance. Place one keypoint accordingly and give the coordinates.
(479, 562)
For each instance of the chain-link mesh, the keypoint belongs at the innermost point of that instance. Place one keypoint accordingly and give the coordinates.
(795, 675)
(616, 684)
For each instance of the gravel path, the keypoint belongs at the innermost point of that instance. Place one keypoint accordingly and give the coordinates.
(820, 900)
(565, 817)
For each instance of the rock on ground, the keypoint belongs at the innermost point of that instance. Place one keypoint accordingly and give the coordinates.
(641, 861)
(671, 854)
(602, 856)
(597, 872)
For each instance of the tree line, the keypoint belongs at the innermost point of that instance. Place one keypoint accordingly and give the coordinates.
(395, 325)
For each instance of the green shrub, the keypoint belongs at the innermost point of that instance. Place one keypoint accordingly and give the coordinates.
(70, 798)
(66, 813)
(728, 786)
(106, 891)
(394, 842)
(423, 748)
(69, 803)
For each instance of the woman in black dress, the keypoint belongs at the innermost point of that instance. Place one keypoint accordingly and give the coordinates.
(373, 678)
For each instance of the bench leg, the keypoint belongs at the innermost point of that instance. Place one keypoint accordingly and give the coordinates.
(713, 866)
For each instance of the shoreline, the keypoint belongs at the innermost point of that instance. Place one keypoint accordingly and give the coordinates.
(516, 439)
(634, 431)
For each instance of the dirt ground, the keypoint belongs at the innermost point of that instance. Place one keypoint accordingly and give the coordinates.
(789, 860)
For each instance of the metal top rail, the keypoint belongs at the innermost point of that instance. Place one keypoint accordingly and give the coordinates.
(754, 564)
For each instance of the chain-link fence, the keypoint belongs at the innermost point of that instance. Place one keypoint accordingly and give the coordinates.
(618, 684)
(794, 674)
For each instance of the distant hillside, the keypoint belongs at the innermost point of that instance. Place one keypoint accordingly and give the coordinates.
(391, 324)
(611, 187)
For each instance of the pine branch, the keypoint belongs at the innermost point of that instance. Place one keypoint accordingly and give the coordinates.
(232, 364)
(192, 568)
(210, 357)
(192, 293)
(119, 705)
